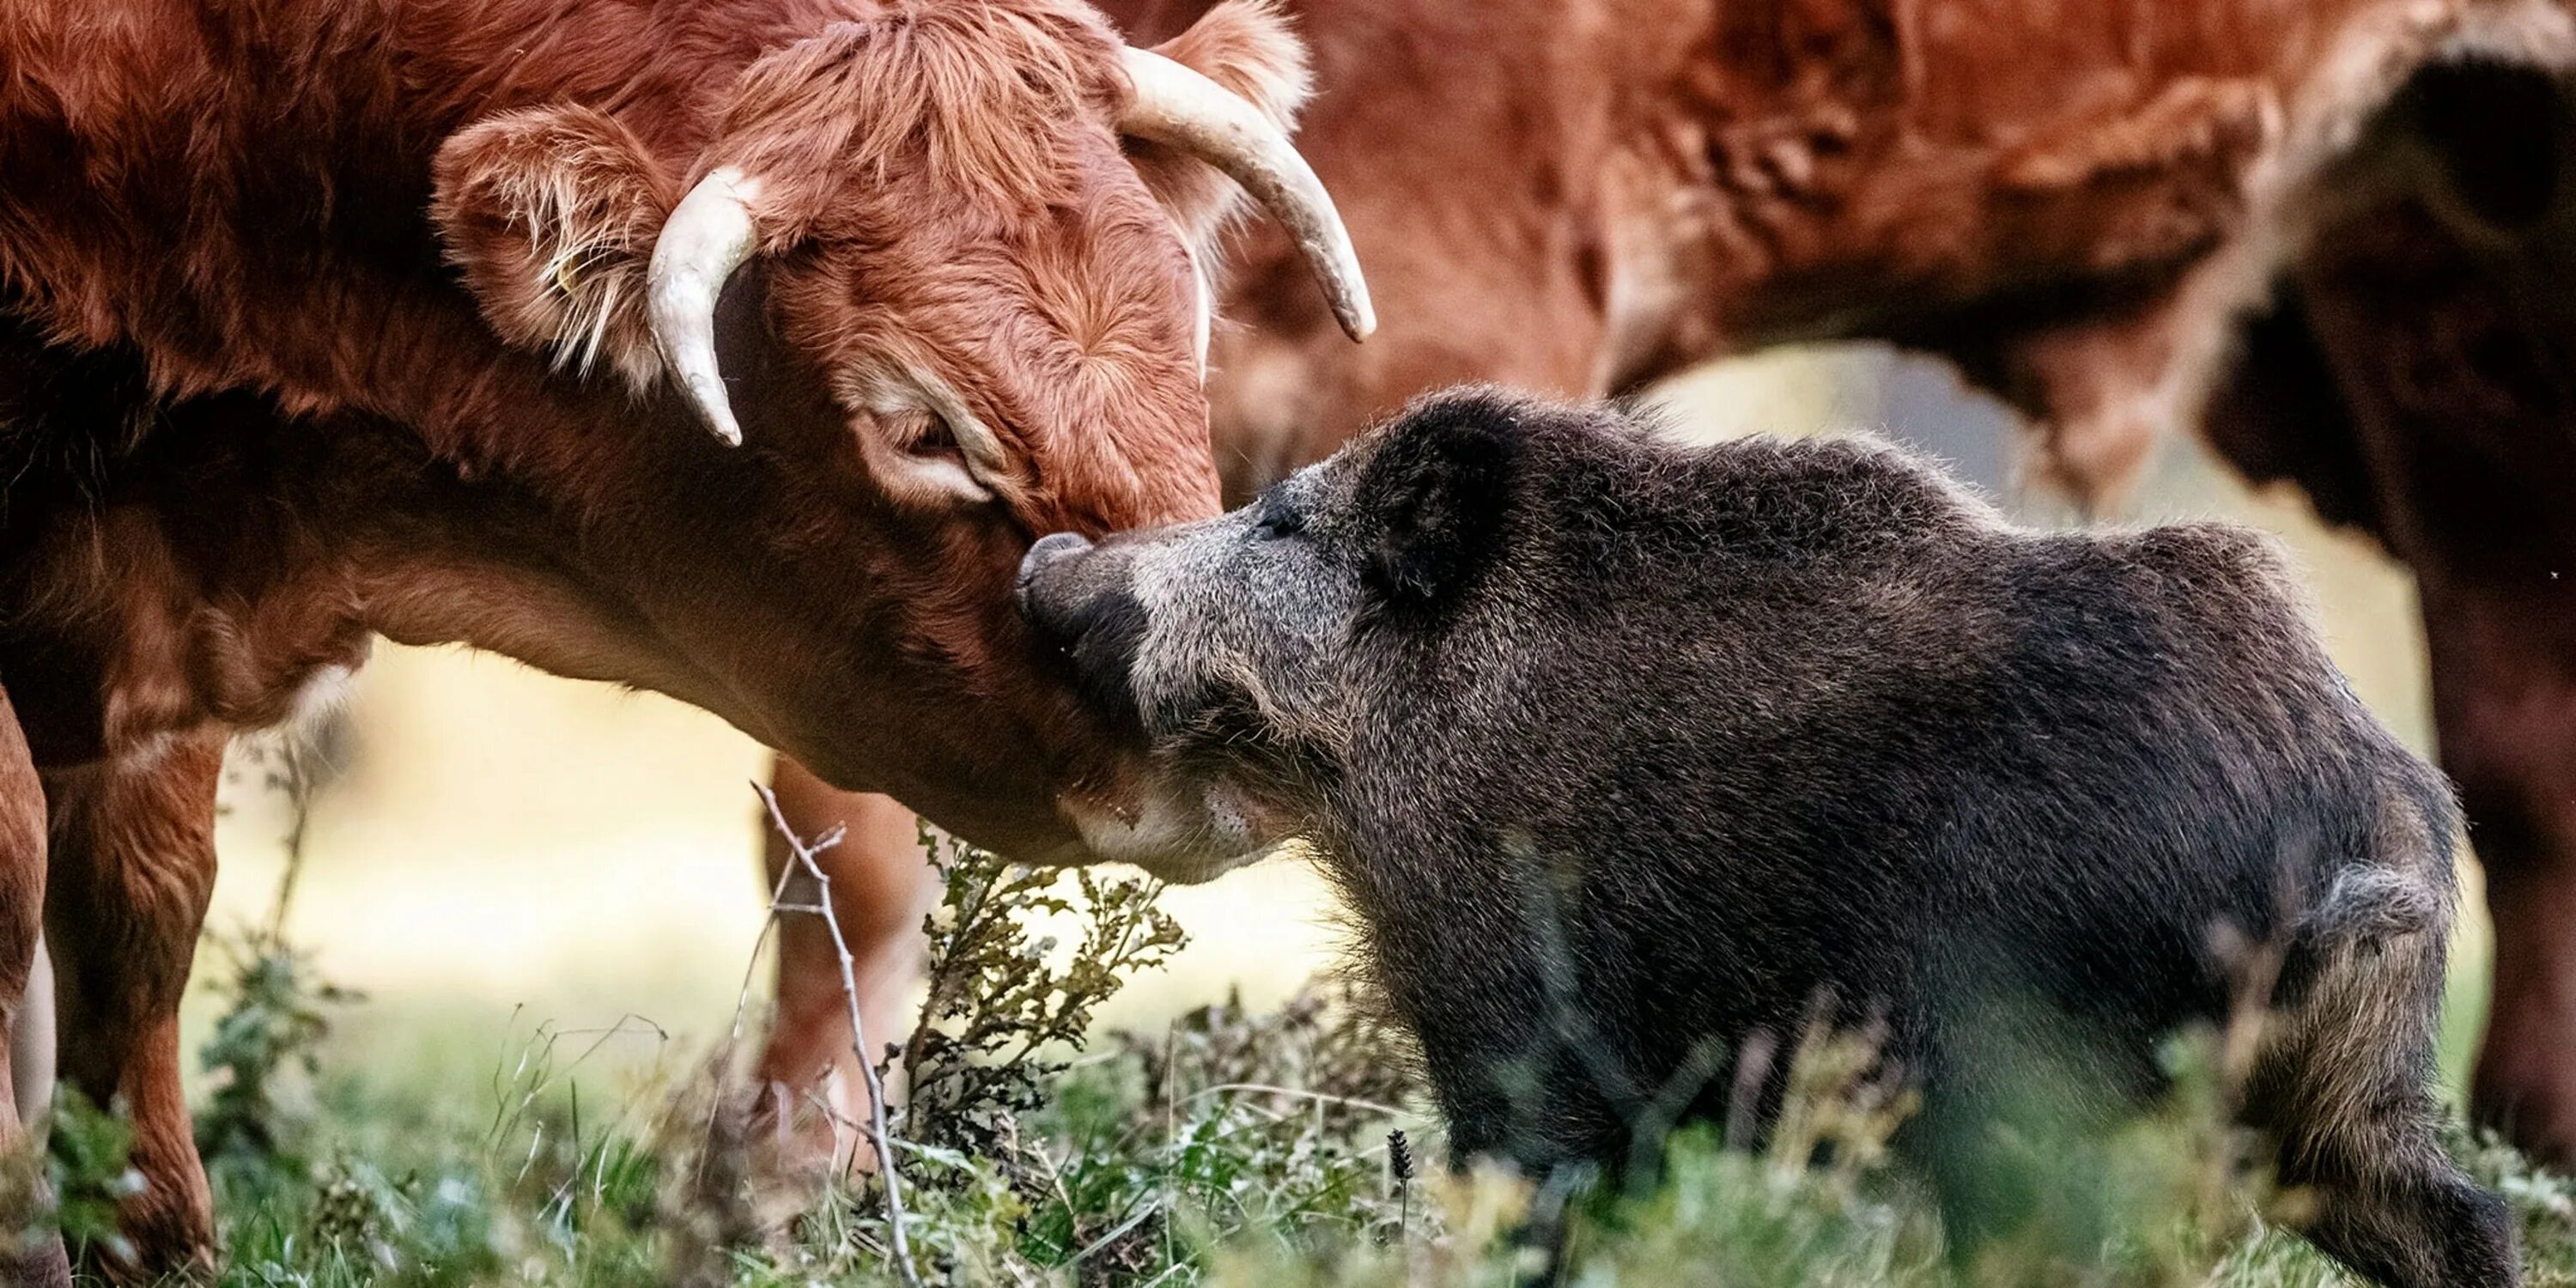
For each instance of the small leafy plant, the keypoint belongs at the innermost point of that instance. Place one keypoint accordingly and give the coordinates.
(264, 1055)
(1003, 1017)
(87, 1173)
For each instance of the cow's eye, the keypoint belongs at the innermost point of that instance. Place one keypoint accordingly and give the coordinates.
(918, 431)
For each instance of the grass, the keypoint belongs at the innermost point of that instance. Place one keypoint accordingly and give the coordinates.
(1234, 1148)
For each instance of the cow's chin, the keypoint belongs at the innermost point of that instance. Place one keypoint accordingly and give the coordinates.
(1181, 833)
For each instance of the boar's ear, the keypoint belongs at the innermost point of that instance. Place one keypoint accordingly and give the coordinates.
(551, 214)
(1434, 493)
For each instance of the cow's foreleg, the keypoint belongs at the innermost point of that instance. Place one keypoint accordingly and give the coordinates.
(813, 1095)
(2504, 695)
(133, 864)
(22, 901)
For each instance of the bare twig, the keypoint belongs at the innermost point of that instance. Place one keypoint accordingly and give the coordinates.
(900, 1250)
(1143, 1210)
(1293, 1093)
(1752, 1074)
(742, 1002)
(297, 780)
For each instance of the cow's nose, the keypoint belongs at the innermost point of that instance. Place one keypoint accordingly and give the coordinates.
(1051, 548)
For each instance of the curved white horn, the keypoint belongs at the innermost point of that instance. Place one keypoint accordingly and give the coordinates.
(707, 237)
(32, 1043)
(1183, 109)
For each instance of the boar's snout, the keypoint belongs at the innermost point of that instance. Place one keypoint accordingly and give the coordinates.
(1077, 600)
(1051, 548)
(1044, 600)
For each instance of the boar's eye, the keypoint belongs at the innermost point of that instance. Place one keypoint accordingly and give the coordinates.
(1273, 520)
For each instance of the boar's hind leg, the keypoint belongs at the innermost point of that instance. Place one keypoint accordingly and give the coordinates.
(2341, 1087)
(2390, 1203)
(133, 864)
(22, 896)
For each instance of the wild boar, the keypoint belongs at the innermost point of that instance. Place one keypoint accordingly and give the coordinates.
(1624, 751)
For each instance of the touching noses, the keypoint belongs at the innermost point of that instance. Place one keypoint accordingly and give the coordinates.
(1055, 547)
(1050, 548)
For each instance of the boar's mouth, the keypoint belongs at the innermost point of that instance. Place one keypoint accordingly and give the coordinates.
(1103, 656)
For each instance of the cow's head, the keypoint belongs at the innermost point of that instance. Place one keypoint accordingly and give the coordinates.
(968, 248)
(979, 224)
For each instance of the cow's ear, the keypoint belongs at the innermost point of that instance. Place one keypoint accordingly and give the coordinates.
(1433, 495)
(551, 214)
(1250, 48)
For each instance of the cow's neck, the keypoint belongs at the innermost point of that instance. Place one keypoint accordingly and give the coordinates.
(231, 568)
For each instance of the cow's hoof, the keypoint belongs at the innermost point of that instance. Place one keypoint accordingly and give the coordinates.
(796, 1145)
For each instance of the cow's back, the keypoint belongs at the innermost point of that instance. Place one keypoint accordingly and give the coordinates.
(1821, 723)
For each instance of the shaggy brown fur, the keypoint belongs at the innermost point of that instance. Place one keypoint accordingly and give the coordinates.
(22, 900)
(311, 315)
(1666, 180)
(266, 177)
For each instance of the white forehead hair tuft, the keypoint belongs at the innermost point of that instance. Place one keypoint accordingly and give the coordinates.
(1203, 285)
